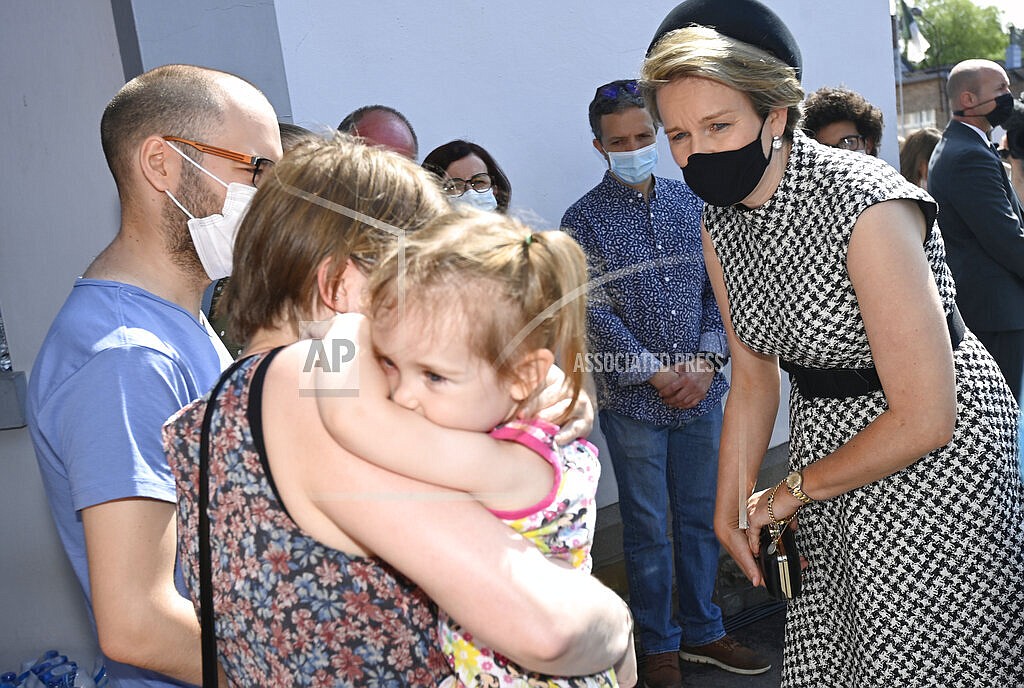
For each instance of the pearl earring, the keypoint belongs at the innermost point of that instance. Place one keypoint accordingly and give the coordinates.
(776, 142)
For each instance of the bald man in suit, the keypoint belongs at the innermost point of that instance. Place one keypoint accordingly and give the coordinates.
(980, 215)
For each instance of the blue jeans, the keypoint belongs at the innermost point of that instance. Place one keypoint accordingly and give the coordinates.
(661, 471)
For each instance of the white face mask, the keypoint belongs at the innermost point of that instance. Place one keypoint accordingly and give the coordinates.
(214, 235)
(480, 201)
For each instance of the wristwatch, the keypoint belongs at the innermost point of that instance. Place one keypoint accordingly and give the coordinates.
(794, 483)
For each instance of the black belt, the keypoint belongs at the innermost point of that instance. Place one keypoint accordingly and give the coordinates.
(839, 383)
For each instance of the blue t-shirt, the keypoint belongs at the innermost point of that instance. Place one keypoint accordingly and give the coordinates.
(116, 363)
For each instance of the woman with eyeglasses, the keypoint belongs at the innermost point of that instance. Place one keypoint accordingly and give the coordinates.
(903, 434)
(470, 175)
(842, 118)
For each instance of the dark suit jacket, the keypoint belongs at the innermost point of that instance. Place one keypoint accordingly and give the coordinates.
(982, 224)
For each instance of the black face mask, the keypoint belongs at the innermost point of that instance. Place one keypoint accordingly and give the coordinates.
(726, 178)
(1001, 112)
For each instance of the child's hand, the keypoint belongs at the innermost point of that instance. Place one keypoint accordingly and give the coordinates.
(553, 402)
(580, 423)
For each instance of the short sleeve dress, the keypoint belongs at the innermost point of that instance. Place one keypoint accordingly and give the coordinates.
(916, 579)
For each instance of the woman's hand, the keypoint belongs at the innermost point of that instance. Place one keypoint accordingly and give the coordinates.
(784, 505)
(734, 539)
(625, 668)
(747, 425)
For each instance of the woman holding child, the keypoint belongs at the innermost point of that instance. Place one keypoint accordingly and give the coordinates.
(301, 528)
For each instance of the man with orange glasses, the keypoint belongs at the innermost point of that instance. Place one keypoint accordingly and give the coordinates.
(130, 347)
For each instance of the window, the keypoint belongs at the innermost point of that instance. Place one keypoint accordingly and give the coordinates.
(912, 121)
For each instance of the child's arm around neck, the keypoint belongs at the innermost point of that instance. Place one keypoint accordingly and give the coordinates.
(356, 410)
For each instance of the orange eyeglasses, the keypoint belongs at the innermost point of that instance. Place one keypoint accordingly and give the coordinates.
(260, 165)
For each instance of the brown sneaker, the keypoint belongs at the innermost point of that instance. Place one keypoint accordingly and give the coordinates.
(661, 670)
(727, 654)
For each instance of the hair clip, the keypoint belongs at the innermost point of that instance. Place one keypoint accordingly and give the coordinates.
(528, 240)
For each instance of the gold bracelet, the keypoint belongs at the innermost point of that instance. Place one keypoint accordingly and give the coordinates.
(779, 523)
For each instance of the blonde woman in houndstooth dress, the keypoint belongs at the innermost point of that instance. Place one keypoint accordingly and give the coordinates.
(903, 432)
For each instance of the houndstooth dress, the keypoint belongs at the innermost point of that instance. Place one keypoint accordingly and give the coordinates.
(917, 579)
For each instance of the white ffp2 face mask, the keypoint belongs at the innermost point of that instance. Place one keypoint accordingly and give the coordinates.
(214, 235)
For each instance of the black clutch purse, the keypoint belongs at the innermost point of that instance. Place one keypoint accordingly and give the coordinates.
(779, 561)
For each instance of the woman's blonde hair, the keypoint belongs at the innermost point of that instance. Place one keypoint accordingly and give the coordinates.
(335, 199)
(701, 52)
(512, 289)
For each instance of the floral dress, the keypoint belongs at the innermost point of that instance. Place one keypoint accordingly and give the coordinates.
(289, 611)
(561, 525)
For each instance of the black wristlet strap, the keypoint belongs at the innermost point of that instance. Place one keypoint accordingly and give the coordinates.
(840, 383)
(208, 637)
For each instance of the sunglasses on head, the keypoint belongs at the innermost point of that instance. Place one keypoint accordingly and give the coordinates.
(613, 91)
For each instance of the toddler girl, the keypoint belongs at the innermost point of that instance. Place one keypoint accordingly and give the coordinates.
(467, 317)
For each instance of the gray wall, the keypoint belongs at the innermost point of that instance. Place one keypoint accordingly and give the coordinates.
(59, 66)
(237, 37)
(517, 77)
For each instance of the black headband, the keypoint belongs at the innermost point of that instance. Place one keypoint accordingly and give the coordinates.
(744, 20)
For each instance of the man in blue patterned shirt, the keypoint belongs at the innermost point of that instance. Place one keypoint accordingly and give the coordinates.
(657, 346)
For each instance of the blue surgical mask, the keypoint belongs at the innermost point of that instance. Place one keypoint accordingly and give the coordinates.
(634, 167)
(479, 200)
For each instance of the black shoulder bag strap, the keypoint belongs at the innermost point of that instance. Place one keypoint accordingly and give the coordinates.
(208, 637)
